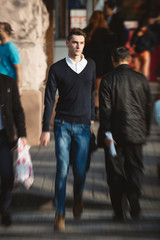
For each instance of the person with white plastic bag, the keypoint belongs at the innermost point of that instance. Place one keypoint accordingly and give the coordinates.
(11, 119)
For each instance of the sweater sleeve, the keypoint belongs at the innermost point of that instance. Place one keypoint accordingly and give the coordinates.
(93, 92)
(93, 69)
(18, 113)
(49, 100)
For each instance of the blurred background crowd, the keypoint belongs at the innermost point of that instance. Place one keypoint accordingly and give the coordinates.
(40, 28)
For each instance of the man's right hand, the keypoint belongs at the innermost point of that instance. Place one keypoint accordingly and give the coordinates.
(45, 138)
(108, 142)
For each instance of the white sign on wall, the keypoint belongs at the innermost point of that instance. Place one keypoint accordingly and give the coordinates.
(131, 24)
(78, 18)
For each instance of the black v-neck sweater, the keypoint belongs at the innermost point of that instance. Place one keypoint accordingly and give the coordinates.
(76, 94)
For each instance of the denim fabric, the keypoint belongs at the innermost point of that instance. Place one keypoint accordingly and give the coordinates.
(6, 173)
(71, 141)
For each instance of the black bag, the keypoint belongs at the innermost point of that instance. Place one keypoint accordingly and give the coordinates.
(92, 148)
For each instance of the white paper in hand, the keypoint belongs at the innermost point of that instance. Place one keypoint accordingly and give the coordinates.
(112, 147)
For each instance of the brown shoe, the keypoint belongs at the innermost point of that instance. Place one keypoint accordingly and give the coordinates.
(59, 223)
(77, 206)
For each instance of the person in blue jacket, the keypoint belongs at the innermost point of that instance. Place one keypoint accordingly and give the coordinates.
(10, 63)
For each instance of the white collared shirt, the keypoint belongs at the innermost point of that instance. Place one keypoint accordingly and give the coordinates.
(76, 66)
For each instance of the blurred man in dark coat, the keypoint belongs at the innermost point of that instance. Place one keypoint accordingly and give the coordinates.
(125, 112)
(11, 118)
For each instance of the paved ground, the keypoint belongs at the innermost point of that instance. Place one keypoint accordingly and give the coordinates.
(33, 210)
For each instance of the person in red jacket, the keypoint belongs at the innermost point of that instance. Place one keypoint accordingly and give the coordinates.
(143, 41)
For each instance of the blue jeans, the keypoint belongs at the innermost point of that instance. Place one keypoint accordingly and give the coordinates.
(71, 141)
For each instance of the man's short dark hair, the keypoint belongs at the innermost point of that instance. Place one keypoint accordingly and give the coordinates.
(7, 27)
(110, 4)
(121, 54)
(76, 31)
(143, 22)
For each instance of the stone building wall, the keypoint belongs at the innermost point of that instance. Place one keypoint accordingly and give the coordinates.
(30, 21)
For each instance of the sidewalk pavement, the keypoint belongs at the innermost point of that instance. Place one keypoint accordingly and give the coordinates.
(33, 211)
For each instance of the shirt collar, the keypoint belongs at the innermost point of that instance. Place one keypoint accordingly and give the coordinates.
(82, 62)
(76, 66)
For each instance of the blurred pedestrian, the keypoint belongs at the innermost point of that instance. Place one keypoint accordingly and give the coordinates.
(154, 26)
(11, 118)
(99, 44)
(143, 41)
(157, 119)
(125, 112)
(115, 20)
(74, 78)
(9, 54)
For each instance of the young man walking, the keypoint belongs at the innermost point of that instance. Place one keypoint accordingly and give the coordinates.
(125, 112)
(74, 77)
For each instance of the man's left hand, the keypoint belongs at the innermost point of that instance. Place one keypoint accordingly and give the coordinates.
(24, 140)
(92, 126)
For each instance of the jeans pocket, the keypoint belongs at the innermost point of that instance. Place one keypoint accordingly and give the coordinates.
(86, 127)
(56, 121)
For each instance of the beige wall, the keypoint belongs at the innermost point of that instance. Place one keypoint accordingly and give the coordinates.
(30, 21)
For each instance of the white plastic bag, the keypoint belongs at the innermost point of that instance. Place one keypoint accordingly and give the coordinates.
(157, 111)
(24, 170)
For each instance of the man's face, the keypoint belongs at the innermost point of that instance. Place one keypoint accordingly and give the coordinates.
(75, 45)
(2, 32)
(143, 29)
